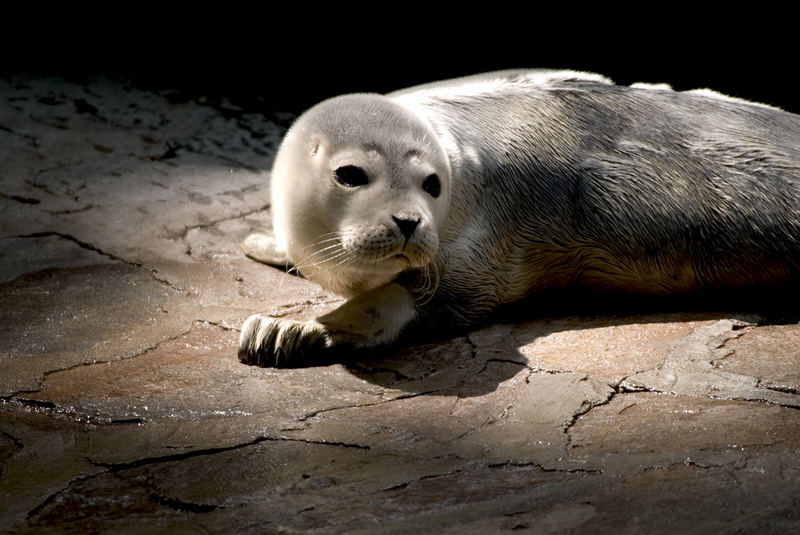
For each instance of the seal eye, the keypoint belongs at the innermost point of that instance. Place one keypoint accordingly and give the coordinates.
(432, 186)
(350, 176)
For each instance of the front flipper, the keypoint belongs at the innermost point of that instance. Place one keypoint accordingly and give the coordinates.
(277, 343)
(374, 318)
(265, 248)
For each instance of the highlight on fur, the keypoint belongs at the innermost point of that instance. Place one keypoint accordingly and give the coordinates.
(432, 206)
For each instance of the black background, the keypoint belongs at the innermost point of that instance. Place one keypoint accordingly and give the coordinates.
(291, 58)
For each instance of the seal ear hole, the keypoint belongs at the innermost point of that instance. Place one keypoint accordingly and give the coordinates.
(432, 186)
(350, 176)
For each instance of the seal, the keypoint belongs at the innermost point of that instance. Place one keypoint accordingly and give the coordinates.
(432, 206)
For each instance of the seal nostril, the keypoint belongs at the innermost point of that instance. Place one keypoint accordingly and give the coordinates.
(406, 226)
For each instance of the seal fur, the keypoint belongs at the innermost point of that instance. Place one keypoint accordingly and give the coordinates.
(546, 179)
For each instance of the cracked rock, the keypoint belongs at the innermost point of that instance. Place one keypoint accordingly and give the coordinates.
(54, 319)
(691, 368)
(123, 404)
(21, 255)
(770, 353)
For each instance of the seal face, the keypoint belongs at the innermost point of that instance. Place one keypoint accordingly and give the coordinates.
(433, 205)
(360, 187)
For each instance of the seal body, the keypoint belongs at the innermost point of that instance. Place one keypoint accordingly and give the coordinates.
(434, 205)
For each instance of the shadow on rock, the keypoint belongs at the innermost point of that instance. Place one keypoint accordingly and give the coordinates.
(607, 336)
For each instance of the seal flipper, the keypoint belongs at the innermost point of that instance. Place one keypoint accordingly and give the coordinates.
(373, 318)
(265, 248)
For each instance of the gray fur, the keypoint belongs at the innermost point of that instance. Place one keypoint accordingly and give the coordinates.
(589, 183)
(556, 179)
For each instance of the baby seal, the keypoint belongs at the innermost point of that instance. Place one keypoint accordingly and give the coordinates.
(432, 206)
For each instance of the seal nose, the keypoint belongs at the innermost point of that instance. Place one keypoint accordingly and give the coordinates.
(406, 226)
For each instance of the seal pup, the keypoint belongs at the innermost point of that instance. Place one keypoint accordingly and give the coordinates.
(432, 206)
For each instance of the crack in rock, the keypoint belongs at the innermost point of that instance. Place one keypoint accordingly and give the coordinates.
(185, 232)
(544, 468)
(778, 388)
(70, 211)
(405, 484)
(180, 505)
(733, 465)
(106, 468)
(15, 441)
(490, 466)
(507, 409)
(690, 369)
(586, 406)
(584, 409)
(171, 152)
(118, 467)
(32, 140)
(402, 397)
(15, 396)
(79, 243)
(20, 199)
(89, 247)
(64, 488)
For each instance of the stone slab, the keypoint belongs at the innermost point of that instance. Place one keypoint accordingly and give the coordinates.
(123, 407)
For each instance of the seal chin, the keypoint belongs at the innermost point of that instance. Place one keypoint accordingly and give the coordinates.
(377, 272)
(390, 265)
(407, 258)
(399, 262)
(392, 258)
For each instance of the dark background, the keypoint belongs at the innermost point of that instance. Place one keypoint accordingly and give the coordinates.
(293, 58)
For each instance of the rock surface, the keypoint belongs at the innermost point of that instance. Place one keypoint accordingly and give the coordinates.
(123, 406)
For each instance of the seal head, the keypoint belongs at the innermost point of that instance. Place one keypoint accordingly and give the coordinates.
(360, 188)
